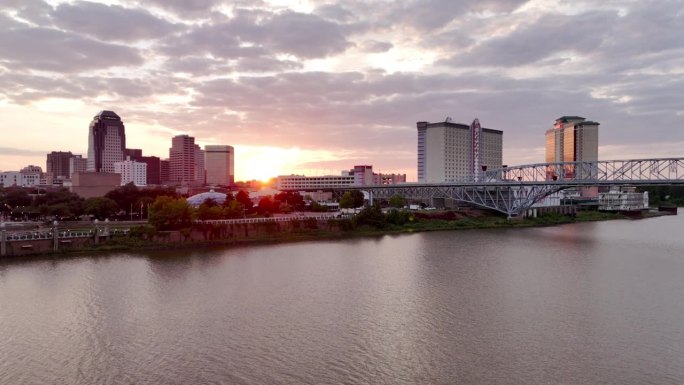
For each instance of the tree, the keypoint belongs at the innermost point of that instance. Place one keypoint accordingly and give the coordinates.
(233, 210)
(243, 197)
(208, 211)
(293, 199)
(125, 196)
(100, 207)
(371, 216)
(351, 199)
(168, 213)
(397, 201)
(267, 206)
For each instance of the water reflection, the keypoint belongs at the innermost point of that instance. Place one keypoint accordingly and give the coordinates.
(584, 303)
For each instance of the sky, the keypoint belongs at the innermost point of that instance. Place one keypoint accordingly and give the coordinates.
(315, 87)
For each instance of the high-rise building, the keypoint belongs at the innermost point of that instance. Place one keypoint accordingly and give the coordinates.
(106, 142)
(220, 165)
(200, 171)
(164, 171)
(131, 171)
(182, 160)
(57, 164)
(572, 139)
(153, 168)
(449, 152)
(77, 163)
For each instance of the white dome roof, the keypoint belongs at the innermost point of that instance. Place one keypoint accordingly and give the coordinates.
(197, 200)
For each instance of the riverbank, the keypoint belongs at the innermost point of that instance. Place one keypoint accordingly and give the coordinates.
(216, 236)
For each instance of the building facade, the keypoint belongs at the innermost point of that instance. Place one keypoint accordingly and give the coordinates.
(313, 183)
(57, 164)
(220, 164)
(358, 176)
(449, 152)
(131, 171)
(153, 169)
(106, 142)
(572, 139)
(77, 163)
(200, 170)
(182, 160)
(94, 184)
(164, 171)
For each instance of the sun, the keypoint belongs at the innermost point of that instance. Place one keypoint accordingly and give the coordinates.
(264, 163)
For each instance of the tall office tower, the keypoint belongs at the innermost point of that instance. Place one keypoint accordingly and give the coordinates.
(77, 163)
(106, 142)
(164, 171)
(58, 164)
(200, 170)
(131, 171)
(220, 165)
(182, 160)
(449, 152)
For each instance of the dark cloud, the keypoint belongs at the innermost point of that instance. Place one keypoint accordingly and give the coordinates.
(110, 22)
(528, 44)
(251, 34)
(428, 15)
(374, 46)
(182, 8)
(54, 50)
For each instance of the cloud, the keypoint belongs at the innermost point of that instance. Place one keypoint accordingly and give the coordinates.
(374, 46)
(21, 151)
(110, 22)
(578, 34)
(54, 50)
(254, 34)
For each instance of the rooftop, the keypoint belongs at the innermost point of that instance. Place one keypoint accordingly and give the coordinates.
(105, 114)
(566, 118)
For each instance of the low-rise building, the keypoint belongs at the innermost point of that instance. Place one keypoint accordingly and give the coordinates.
(358, 176)
(623, 199)
(94, 184)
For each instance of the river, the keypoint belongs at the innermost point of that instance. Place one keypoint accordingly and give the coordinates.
(588, 303)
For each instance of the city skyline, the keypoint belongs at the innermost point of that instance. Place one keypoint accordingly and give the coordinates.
(309, 87)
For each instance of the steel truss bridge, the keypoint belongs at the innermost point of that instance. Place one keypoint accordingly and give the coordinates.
(513, 190)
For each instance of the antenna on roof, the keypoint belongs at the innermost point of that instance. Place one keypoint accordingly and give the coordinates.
(448, 119)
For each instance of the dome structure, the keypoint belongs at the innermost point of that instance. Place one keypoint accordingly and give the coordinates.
(197, 200)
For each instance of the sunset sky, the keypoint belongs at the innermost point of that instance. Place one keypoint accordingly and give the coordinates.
(315, 87)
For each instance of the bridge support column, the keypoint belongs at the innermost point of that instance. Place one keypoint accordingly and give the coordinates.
(97, 233)
(106, 229)
(55, 236)
(3, 240)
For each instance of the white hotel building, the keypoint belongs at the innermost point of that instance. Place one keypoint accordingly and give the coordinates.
(131, 171)
(445, 151)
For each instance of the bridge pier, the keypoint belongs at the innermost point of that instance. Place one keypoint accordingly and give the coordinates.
(97, 233)
(55, 236)
(3, 240)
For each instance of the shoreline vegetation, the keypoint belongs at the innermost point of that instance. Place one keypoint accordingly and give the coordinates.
(370, 222)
